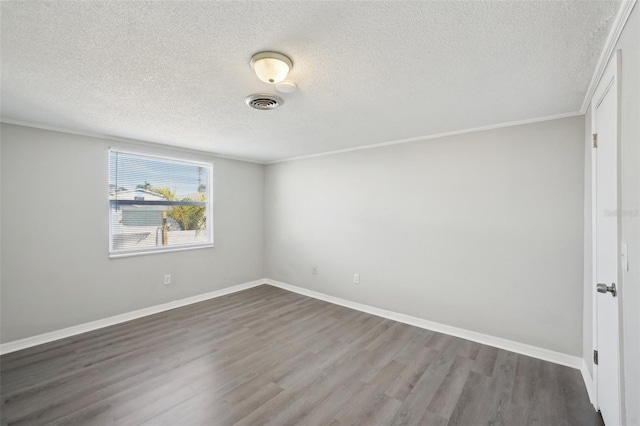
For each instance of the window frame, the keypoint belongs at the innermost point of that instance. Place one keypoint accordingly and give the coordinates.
(208, 165)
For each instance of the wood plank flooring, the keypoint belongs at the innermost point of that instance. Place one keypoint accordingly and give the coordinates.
(268, 356)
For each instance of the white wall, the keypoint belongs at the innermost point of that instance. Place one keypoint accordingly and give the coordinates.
(56, 272)
(629, 44)
(481, 231)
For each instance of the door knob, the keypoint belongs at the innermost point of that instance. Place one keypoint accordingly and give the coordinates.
(603, 288)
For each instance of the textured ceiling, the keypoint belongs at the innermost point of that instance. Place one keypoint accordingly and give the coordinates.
(176, 72)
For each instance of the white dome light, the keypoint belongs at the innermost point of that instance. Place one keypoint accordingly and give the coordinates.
(271, 67)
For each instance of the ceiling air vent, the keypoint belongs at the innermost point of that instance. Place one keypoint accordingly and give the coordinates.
(263, 101)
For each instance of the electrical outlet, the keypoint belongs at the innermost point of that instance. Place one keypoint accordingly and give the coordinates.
(356, 278)
(167, 279)
(314, 270)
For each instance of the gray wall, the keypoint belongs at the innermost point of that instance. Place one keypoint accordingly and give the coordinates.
(56, 271)
(482, 231)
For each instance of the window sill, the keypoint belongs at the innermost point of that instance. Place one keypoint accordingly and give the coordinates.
(117, 255)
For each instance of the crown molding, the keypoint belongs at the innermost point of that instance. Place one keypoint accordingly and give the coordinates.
(321, 154)
(435, 136)
(610, 44)
(125, 140)
(620, 21)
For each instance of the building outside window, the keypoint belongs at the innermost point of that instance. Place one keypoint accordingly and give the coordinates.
(158, 204)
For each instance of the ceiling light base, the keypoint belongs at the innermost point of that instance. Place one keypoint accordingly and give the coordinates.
(271, 67)
(286, 86)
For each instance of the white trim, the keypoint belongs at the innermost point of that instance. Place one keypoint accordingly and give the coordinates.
(40, 339)
(155, 145)
(153, 155)
(610, 44)
(588, 382)
(594, 306)
(156, 250)
(609, 80)
(435, 136)
(320, 154)
(498, 342)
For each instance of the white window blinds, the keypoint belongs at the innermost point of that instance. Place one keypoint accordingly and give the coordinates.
(158, 204)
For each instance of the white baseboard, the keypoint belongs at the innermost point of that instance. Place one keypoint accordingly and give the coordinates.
(498, 342)
(588, 382)
(17, 345)
(521, 348)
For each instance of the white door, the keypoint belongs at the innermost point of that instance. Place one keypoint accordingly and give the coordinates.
(605, 110)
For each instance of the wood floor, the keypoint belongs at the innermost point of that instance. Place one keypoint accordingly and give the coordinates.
(266, 355)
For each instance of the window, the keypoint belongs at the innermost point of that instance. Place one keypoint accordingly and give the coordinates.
(158, 204)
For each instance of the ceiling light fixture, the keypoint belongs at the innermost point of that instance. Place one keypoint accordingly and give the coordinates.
(271, 67)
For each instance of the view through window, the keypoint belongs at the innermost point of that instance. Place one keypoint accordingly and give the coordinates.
(158, 204)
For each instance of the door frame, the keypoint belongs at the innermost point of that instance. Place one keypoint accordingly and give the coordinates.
(610, 80)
